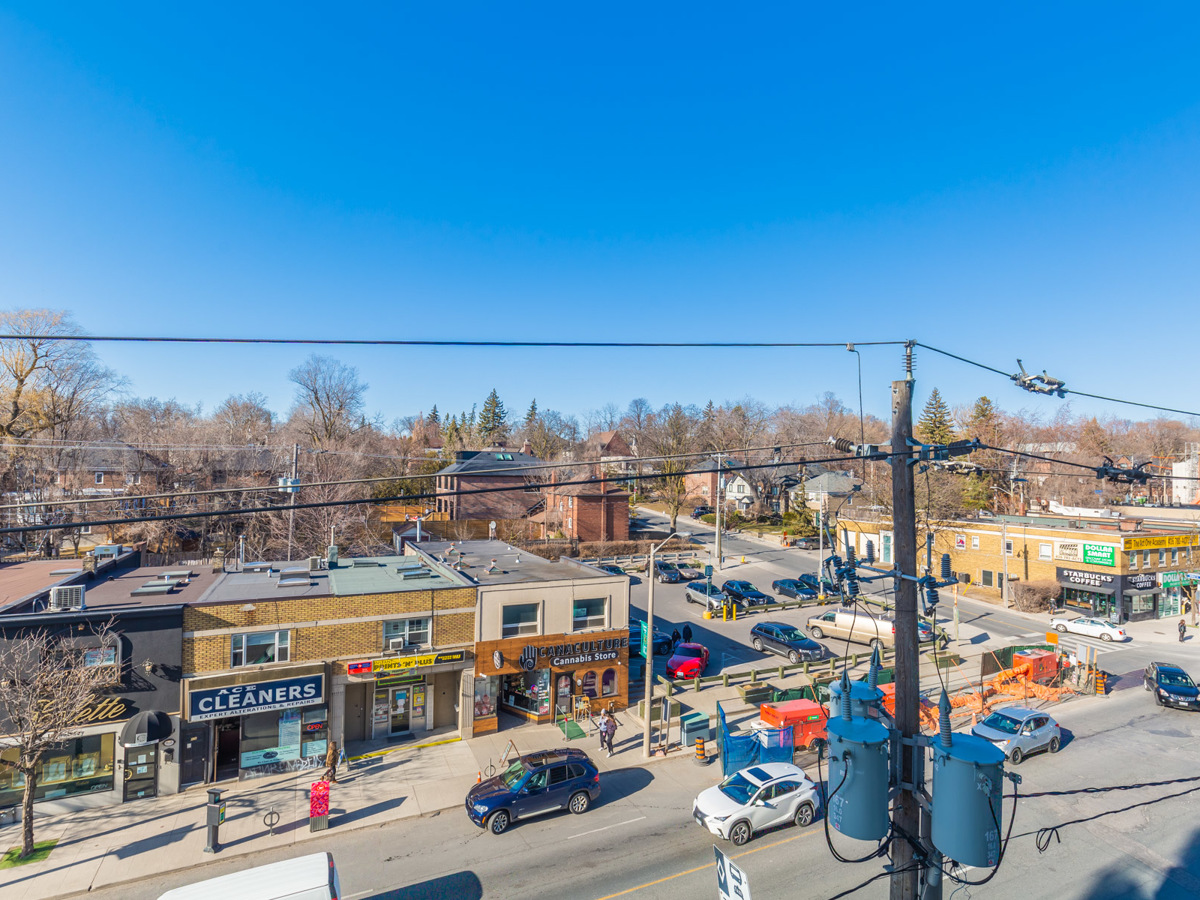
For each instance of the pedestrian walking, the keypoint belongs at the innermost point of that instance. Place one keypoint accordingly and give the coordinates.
(687, 633)
(674, 637)
(602, 726)
(331, 763)
(610, 729)
(1182, 630)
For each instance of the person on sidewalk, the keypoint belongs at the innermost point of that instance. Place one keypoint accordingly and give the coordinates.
(674, 637)
(687, 633)
(610, 730)
(602, 726)
(331, 763)
(1182, 630)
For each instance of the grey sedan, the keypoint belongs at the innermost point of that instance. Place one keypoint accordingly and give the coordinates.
(1019, 731)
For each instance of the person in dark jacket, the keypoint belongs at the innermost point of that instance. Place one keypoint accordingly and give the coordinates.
(1182, 630)
(675, 637)
(687, 633)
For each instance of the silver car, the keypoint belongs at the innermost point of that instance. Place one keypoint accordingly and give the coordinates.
(706, 594)
(1019, 731)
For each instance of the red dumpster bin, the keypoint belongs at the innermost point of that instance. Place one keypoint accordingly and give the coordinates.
(805, 718)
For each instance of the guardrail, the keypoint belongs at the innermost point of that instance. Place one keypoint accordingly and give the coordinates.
(634, 558)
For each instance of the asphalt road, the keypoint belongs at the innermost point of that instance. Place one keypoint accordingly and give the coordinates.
(639, 841)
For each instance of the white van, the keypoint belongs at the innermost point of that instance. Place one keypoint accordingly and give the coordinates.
(311, 877)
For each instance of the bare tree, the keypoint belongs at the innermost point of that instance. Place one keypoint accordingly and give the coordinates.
(670, 433)
(243, 419)
(47, 683)
(329, 399)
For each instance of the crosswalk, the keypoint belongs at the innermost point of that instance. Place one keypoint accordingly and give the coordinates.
(1077, 642)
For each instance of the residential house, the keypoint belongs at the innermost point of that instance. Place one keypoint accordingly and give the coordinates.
(586, 512)
(486, 471)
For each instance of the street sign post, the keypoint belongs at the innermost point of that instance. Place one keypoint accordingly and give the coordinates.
(732, 883)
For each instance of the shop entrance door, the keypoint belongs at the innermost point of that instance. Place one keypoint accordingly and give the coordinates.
(400, 710)
(562, 692)
(193, 767)
(141, 772)
(229, 748)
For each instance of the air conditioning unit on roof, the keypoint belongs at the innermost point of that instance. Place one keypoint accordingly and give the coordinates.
(66, 597)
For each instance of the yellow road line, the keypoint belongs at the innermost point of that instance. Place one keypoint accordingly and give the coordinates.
(642, 887)
(388, 750)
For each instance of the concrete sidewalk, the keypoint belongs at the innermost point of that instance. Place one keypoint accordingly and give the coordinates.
(106, 847)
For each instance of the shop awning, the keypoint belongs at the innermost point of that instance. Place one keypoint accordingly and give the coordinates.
(1137, 592)
(1089, 588)
(148, 727)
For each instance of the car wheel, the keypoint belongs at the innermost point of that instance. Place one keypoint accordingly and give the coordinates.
(793, 657)
(805, 815)
(740, 833)
(816, 632)
(687, 597)
(757, 645)
(876, 644)
(1062, 629)
(498, 822)
(1055, 744)
(1016, 756)
(1106, 637)
(579, 803)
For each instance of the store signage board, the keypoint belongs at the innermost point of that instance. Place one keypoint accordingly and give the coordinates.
(263, 696)
(1162, 541)
(1175, 579)
(1086, 579)
(1100, 554)
(400, 663)
(732, 883)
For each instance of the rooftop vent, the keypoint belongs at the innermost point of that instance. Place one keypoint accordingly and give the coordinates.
(315, 563)
(364, 564)
(66, 597)
(418, 573)
(331, 556)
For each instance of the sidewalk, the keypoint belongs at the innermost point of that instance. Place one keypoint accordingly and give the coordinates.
(105, 847)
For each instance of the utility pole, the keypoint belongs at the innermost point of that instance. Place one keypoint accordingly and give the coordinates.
(720, 478)
(906, 814)
(1004, 559)
(292, 498)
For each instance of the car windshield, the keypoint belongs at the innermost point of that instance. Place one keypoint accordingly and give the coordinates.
(666, 567)
(691, 652)
(1001, 722)
(791, 633)
(513, 775)
(738, 788)
(1175, 679)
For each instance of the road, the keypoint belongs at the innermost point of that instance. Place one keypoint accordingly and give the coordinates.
(640, 843)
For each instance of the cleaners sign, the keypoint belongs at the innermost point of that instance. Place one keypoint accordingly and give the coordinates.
(264, 696)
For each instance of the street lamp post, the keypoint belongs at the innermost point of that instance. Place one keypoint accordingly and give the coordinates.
(648, 646)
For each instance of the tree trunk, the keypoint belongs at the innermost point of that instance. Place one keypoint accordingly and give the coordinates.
(27, 812)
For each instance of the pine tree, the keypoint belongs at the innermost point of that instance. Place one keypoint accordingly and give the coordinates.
(433, 418)
(531, 416)
(451, 436)
(493, 420)
(934, 426)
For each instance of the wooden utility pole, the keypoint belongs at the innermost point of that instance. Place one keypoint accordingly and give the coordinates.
(906, 813)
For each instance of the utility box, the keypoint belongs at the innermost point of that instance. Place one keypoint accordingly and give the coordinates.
(1043, 664)
(694, 725)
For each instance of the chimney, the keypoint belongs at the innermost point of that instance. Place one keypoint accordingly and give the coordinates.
(89, 564)
(527, 448)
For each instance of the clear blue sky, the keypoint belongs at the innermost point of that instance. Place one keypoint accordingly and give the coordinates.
(1000, 181)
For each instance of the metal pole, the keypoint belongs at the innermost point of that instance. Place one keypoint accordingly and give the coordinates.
(1004, 558)
(906, 811)
(648, 655)
(821, 547)
(292, 498)
(720, 478)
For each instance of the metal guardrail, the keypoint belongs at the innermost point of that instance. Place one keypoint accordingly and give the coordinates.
(633, 558)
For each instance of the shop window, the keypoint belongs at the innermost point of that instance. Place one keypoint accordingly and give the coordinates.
(259, 648)
(986, 580)
(83, 765)
(588, 688)
(974, 542)
(590, 613)
(1133, 557)
(519, 619)
(1045, 551)
(608, 684)
(404, 634)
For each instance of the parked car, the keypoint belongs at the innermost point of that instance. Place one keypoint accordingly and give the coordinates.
(662, 640)
(311, 877)
(861, 627)
(666, 573)
(756, 798)
(705, 593)
(534, 784)
(1172, 686)
(1019, 731)
(611, 570)
(807, 543)
(823, 585)
(701, 511)
(1100, 628)
(790, 587)
(687, 661)
(687, 573)
(745, 592)
(786, 640)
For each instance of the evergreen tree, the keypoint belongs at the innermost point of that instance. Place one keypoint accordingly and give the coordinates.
(451, 435)
(934, 426)
(493, 420)
(531, 416)
(433, 418)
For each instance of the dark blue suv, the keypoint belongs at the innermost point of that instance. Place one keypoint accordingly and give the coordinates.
(534, 784)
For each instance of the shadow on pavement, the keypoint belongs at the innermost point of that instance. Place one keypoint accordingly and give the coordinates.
(460, 886)
(622, 783)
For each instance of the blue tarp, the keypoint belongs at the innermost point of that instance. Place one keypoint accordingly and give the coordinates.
(741, 750)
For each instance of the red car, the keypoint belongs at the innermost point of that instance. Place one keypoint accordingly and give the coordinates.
(687, 661)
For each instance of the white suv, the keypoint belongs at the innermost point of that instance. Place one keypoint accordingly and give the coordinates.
(706, 594)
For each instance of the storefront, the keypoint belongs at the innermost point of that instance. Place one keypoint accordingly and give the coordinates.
(1090, 593)
(249, 725)
(402, 695)
(538, 678)
(1177, 591)
(1139, 596)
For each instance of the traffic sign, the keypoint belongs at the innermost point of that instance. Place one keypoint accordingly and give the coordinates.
(731, 881)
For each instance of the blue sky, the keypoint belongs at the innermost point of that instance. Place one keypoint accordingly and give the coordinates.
(1005, 183)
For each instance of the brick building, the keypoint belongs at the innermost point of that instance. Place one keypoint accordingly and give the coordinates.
(586, 512)
(1098, 567)
(493, 468)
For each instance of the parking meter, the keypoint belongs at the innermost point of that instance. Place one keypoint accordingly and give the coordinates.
(216, 816)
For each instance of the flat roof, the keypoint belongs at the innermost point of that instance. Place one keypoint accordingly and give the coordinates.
(115, 589)
(22, 579)
(495, 562)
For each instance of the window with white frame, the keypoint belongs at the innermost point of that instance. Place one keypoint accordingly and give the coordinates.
(986, 578)
(1174, 557)
(590, 613)
(1008, 548)
(1145, 559)
(518, 619)
(99, 478)
(1133, 556)
(974, 542)
(1162, 557)
(85, 529)
(259, 648)
(1045, 551)
(133, 478)
(403, 634)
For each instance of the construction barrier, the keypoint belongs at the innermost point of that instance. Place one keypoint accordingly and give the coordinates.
(1101, 682)
(701, 755)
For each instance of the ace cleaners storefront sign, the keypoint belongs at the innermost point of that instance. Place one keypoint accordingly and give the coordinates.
(262, 696)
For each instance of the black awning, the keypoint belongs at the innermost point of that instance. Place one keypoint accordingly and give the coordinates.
(148, 727)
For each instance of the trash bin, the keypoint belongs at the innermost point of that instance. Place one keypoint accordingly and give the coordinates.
(694, 725)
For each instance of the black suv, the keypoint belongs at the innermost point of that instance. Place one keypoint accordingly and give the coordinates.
(534, 784)
(745, 592)
(1171, 686)
(786, 640)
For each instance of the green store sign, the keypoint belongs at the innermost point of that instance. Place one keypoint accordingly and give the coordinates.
(1100, 554)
